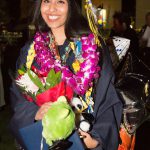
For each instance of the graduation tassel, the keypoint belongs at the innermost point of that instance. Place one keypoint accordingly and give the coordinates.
(91, 20)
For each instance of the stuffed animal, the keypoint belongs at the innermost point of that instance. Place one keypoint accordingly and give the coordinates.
(83, 120)
(59, 122)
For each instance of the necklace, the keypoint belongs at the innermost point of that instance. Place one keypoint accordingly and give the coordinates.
(89, 69)
(54, 49)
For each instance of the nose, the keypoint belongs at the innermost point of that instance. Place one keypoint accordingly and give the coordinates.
(52, 7)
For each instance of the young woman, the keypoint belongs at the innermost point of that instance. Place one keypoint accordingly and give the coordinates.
(62, 36)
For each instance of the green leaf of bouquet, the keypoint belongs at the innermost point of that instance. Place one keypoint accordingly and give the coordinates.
(20, 72)
(39, 91)
(51, 79)
(35, 79)
(58, 76)
(50, 76)
(23, 68)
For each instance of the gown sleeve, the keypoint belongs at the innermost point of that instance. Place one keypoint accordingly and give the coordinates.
(23, 110)
(107, 108)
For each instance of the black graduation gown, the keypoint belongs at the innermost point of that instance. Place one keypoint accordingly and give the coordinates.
(107, 107)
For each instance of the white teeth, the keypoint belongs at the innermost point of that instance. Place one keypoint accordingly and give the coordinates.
(52, 17)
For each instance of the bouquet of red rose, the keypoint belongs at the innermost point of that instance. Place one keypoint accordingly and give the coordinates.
(43, 89)
(59, 122)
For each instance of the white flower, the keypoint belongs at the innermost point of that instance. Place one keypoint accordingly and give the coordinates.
(25, 82)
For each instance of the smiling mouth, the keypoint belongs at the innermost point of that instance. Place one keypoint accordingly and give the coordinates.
(53, 17)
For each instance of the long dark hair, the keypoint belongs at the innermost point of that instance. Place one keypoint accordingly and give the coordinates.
(76, 24)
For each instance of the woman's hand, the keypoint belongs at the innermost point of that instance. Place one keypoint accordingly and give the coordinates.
(88, 140)
(42, 111)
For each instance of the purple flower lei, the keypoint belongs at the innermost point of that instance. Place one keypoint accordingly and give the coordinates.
(89, 69)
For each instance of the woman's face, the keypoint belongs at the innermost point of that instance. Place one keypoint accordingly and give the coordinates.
(54, 13)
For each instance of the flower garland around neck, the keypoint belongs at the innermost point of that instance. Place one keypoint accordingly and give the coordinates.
(88, 70)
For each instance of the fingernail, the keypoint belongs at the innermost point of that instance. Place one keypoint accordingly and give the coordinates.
(82, 136)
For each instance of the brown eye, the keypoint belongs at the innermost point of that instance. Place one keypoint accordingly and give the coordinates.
(61, 2)
(46, 1)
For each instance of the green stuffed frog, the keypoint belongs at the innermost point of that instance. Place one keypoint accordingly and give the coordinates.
(59, 122)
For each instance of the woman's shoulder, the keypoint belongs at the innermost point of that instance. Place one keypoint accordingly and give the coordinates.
(23, 54)
(26, 46)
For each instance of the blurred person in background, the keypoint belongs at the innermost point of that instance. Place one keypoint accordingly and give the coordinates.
(121, 27)
(145, 39)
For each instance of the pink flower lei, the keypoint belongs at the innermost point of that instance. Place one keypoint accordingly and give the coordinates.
(80, 81)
